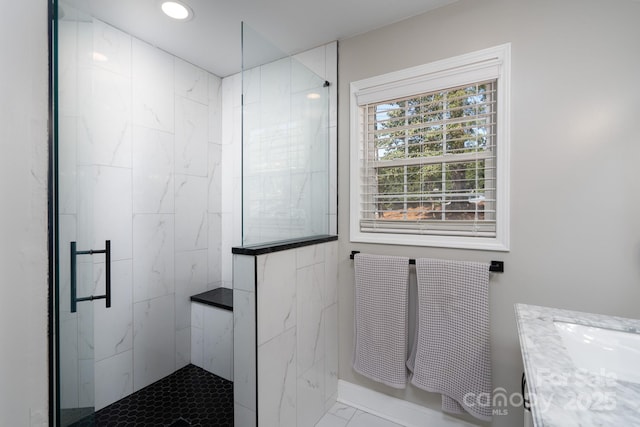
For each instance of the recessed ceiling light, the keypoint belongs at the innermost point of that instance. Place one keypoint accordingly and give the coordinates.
(177, 10)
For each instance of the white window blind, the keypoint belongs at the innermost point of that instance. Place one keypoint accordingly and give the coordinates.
(430, 154)
(429, 163)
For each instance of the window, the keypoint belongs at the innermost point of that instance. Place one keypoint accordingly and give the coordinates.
(430, 154)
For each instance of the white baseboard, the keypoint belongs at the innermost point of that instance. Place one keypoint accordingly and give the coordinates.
(393, 409)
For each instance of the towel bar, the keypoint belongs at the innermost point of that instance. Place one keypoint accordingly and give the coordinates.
(495, 266)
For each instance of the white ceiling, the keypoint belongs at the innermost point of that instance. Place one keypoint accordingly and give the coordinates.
(212, 40)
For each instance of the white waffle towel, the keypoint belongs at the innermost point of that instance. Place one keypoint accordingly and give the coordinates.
(381, 296)
(452, 351)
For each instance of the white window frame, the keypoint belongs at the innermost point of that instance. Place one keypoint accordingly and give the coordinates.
(491, 63)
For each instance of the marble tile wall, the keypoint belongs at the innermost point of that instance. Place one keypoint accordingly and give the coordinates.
(244, 340)
(231, 173)
(297, 335)
(140, 164)
(212, 339)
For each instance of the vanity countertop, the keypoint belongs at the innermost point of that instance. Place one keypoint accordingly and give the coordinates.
(561, 394)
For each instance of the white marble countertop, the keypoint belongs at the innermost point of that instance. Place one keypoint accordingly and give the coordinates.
(561, 394)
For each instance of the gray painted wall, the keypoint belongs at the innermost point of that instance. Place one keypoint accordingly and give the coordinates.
(23, 215)
(575, 199)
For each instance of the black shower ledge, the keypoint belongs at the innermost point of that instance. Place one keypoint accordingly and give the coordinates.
(219, 297)
(283, 245)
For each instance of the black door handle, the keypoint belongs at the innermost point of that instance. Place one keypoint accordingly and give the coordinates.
(74, 282)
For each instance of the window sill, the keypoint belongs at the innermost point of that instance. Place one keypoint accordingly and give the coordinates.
(478, 243)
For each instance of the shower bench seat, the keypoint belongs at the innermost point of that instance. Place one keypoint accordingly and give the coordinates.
(219, 297)
(212, 331)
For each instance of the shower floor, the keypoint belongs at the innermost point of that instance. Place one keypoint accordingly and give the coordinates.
(190, 396)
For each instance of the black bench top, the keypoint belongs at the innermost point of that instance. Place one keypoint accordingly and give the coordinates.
(219, 297)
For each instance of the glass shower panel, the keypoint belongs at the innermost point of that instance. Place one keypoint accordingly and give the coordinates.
(92, 205)
(76, 274)
(285, 144)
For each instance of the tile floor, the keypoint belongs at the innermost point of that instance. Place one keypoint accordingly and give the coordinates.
(192, 396)
(341, 415)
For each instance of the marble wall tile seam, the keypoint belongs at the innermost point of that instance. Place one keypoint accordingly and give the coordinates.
(191, 174)
(108, 165)
(97, 66)
(143, 214)
(226, 284)
(155, 129)
(117, 353)
(246, 408)
(216, 141)
(190, 250)
(150, 300)
(279, 335)
(219, 284)
(196, 101)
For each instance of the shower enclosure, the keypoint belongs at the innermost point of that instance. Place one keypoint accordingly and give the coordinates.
(142, 221)
(137, 157)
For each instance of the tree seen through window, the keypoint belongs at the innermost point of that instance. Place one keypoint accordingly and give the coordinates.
(430, 154)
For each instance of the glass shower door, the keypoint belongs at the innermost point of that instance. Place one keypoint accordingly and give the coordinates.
(83, 246)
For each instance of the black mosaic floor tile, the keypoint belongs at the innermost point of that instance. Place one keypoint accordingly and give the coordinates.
(190, 396)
